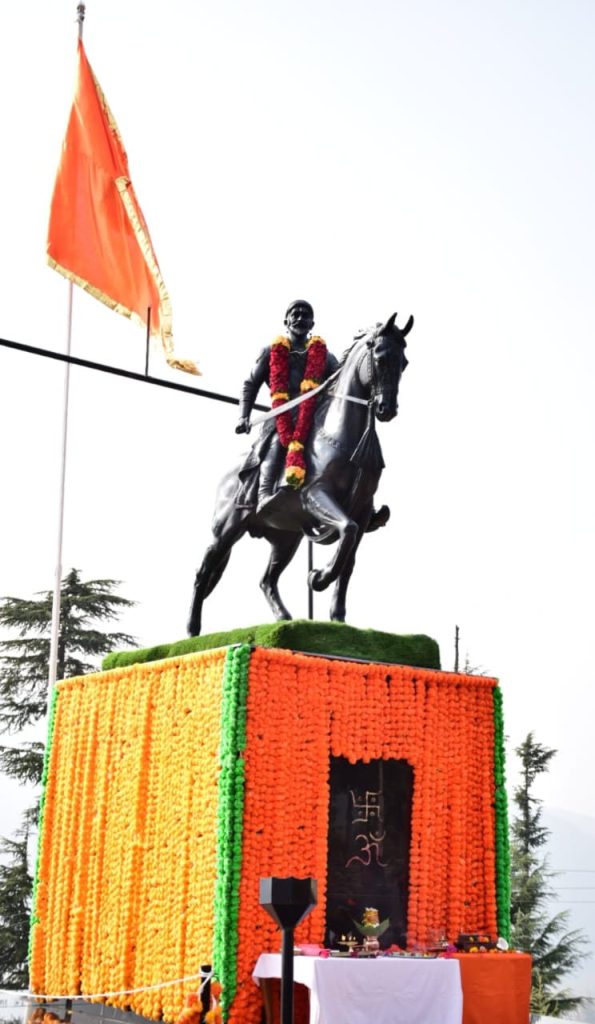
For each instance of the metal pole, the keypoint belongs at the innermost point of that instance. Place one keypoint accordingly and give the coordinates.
(80, 17)
(55, 628)
(58, 577)
(205, 996)
(287, 977)
(310, 591)
(88, 364)
(148, 341)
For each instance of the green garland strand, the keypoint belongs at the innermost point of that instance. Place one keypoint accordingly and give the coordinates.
(230, 816)
(501, 808)
(44, 781)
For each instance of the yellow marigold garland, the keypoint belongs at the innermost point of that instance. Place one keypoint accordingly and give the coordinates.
(129, 827)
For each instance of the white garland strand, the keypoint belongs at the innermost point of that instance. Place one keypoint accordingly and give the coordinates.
(125, 991)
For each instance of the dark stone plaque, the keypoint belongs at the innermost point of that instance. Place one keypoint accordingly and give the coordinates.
(368, 847)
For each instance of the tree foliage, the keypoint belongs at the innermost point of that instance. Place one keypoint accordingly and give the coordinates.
(555, 949)
(24, 763)
(24, 659)
(24, 671)
(15, 908)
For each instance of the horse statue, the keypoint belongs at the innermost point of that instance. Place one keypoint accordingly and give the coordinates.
(344, 464)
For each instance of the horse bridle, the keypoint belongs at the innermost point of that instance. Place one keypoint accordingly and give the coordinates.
(375, 384)
(374, 388)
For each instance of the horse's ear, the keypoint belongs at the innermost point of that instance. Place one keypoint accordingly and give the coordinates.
(388, 326)
(407, 327)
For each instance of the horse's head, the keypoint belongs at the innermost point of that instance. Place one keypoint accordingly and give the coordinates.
(381, 371)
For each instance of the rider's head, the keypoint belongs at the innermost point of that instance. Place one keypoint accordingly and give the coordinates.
(299, 318)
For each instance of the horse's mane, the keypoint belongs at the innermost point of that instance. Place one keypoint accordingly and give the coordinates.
(357, 338)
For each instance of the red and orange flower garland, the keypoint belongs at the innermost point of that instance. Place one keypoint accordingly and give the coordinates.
(294, 437)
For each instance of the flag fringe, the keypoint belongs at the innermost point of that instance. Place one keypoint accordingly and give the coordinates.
(186, 365)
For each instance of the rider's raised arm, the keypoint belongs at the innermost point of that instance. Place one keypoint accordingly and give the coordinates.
(250, 388)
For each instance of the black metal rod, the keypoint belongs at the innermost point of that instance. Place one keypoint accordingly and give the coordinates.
(205, 972)
(148, 341)
(129, 374)
(310, 591)
(287, 977)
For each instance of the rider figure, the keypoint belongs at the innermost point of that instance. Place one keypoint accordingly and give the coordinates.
(265, 459)
(268, 452)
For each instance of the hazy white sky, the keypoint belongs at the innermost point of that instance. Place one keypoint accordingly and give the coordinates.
(433, 158)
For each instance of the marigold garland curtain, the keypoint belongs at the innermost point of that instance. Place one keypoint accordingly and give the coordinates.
(171, 787)
(97, 234)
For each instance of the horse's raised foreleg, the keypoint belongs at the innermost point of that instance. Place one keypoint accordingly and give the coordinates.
(283, 547)
(210, 572)
(338, 603)
(326, 510)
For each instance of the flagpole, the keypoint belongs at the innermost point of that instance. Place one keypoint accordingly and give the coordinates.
(55, 630)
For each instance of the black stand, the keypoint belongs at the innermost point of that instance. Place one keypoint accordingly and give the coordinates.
(205, 995)
(288, 901)
(287, 977)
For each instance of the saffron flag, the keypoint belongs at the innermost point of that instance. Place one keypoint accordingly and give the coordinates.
(97, 234)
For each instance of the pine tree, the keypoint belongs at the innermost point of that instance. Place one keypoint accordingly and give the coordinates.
(24, 660)
(24, 670)
(555, 950)
(15, 908)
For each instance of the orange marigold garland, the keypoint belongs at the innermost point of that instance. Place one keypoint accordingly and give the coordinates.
(439, 722)
(192, 1010)
(293, 437)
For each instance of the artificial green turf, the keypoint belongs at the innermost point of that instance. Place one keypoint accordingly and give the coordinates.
(330, 638)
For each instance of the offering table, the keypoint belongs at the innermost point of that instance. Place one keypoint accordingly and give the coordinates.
(467, 988)
(387, 990)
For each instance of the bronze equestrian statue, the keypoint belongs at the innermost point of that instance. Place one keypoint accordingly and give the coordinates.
(315, 467)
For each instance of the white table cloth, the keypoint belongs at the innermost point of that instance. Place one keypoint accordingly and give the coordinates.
(385, 990)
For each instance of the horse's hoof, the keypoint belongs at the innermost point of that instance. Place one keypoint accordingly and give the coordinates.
(316, 580)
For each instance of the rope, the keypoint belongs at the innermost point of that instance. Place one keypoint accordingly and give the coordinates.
(126, 991)
(351, 398)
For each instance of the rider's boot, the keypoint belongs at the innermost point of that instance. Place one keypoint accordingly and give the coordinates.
(267, 484)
